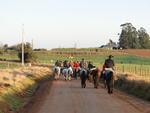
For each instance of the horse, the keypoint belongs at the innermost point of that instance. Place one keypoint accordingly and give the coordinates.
(102, 78)
(83, 75)
(67, 72)
(95, 75)
(56, 71)
(109, 78)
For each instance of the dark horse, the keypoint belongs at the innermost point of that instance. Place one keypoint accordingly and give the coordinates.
(109, 77)
(83, 76)
(95, 75)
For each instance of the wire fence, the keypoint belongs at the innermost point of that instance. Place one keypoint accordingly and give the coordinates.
(139, 70)
(135, 69)
(6, 65)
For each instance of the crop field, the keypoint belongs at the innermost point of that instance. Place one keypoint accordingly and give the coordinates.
(127, 61)
(4, 65)
(48, 57)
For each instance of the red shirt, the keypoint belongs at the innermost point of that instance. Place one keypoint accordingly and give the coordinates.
(75, 65)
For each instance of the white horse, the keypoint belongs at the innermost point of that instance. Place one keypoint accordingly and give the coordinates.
(67, 72)
(56, 71)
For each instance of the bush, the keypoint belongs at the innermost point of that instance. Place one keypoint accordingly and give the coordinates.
(29, 56)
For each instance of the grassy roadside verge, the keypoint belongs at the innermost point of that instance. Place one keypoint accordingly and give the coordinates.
(15, 95)
(133, 86)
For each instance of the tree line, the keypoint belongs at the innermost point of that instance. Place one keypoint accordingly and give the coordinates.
(131, 38)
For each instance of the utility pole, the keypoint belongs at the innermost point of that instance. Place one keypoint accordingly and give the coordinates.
(75, 45)
(22, 44)
(32, 44)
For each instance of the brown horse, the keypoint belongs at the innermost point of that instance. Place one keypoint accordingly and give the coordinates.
(95, 74)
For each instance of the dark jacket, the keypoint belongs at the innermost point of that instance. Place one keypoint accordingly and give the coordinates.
(109, 63)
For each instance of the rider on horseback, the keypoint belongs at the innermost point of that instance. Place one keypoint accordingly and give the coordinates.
(57, 70)
(109, 71)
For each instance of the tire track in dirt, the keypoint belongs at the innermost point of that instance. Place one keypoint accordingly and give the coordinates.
(69, 97)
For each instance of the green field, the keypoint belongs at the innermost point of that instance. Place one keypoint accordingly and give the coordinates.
(89, 54)
(48, 57)
(124, 62)
(8, 65)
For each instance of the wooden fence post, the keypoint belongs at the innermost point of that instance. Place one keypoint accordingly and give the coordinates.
(123, 68)
(135, 70)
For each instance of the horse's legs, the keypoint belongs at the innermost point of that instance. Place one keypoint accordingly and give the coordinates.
(75, 74)
(84, 83)
(105, 85)
(110, 83)
(108, 86)
(69, 77)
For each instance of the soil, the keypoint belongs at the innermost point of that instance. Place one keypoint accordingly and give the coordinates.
(68, 97)
(138, 52)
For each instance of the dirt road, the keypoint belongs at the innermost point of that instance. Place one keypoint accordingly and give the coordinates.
(69, 97)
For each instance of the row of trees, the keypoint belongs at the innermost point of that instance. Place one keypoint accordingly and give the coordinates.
(132, 38)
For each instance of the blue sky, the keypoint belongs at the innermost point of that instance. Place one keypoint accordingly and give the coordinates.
(62, 23)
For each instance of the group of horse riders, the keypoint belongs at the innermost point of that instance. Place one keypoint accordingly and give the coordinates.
(86, 70)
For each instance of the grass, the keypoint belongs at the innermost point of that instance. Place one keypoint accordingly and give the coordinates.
(13, 95)
(13, 101)
(141, 70)
(10, 55)
(130, 59)
(138, 88)
(124, 62)
(8, 65)
(49, 56)
(125, 59)
(23, 85)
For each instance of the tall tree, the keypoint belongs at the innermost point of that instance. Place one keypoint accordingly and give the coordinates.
(144, 38)
(128, 37)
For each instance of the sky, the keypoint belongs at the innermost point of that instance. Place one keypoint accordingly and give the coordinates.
(66, 23)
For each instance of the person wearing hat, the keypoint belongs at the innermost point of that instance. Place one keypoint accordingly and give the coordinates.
(109, 63)
(109, 72)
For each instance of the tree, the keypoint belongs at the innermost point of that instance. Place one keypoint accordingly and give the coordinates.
(111, 44)
(1, 48)
(128, 37)
(5, 47)
(29, 55)
(144, 38)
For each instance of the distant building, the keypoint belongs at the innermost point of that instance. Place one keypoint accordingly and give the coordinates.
(111, 45)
